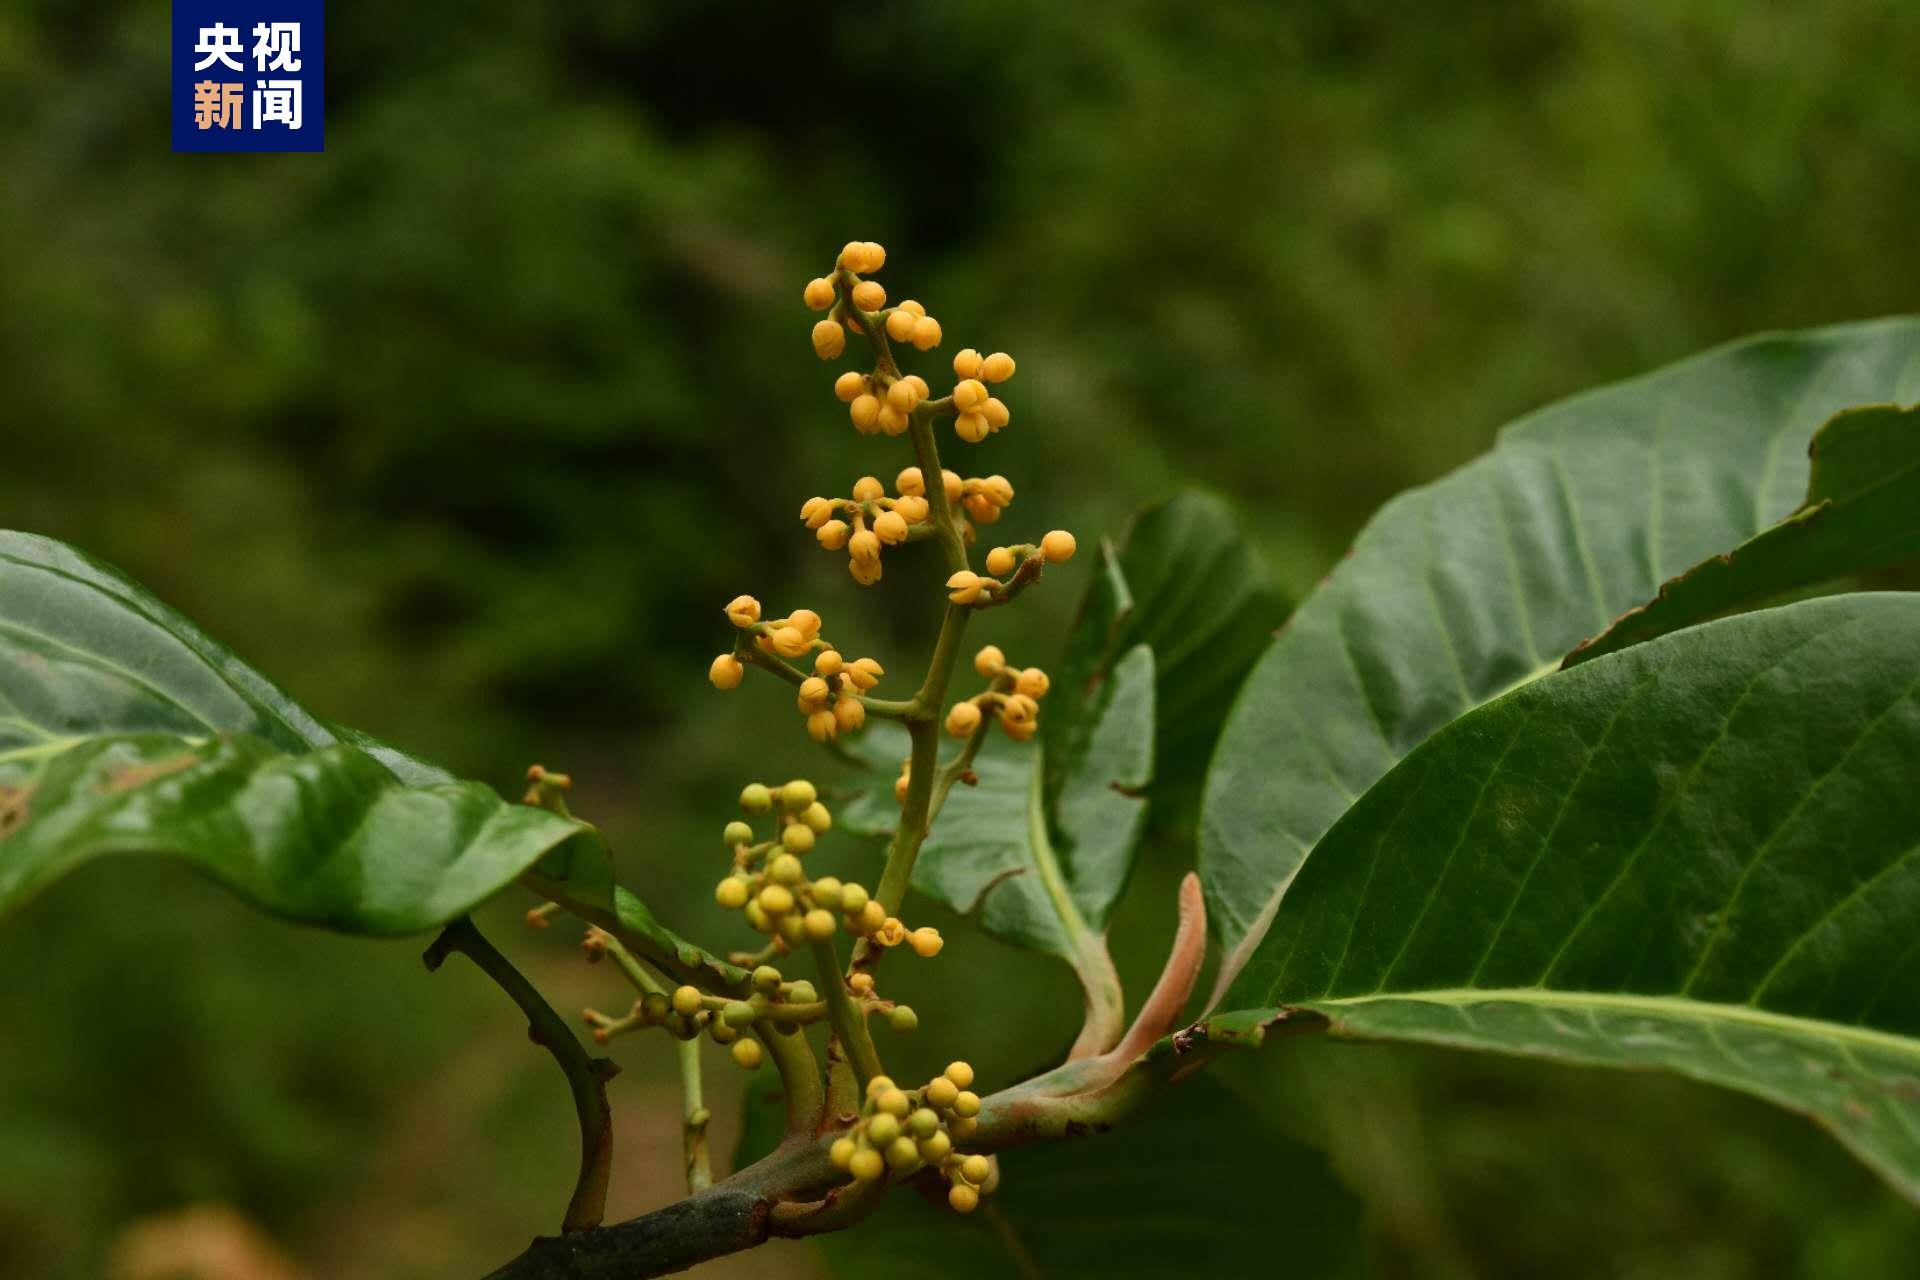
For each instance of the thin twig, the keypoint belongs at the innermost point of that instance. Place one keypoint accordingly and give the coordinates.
(587, 1076)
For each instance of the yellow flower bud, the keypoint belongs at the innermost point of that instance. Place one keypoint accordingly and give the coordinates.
(912, 509)
(963, 1198)
(963, 719)
(963, 587)
(1020, 730)
(914, 308)
(816, 816)
(864, 546)
(726, 671)
(746, 1052)
(1058, 546)
(796, 837)
(972, 427)
(841, 1153)
(865, 412)
(926, 333)
(997, 367)
(1000, 562)
(996, 413)
(731, 893)
(890, 527)
(853, 898)
(926, 942)
(784, 868)
(743, 611)
(872, 257)
(865, 572)
(980, 508)
(833, 534)
(868, 488)
(807, 620)
(821, 725)
(797, 795)
(820, 924)
(818, 294)
(990, 662)
(872, 917)
(815, 512)
(866, 1164)
(850, 712)
(952, 483)
(976, 1169)
(813, 693)
(853, 255)
(861, 984)
(849, 385)
(883, 1127)
(900, 322)
(828, 662)
(971, 393)
(999, 490)
(756, 798)
(686, 1001)
(910, 483)
(891, 420)
(790, 641)
(869, 296)
(940, 1092)
(775, 899)
(966, 363)
(829, 340)
(1033, 682)
(967, 1105)
(902, 1154)
(891, 932)
(935, 1147)
(900, 789)
(865, 673)
(962, 1129)
(1018, 707)
(893, 1102)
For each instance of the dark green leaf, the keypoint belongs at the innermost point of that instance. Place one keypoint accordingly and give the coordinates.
(1480, 582)
(1701, 853)
(125, 729)
(1186, 583)
(1862, 512)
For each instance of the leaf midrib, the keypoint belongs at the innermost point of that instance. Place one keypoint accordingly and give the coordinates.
(1651, 1005)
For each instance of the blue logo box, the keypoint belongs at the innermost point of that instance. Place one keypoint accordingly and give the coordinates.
(249, 75)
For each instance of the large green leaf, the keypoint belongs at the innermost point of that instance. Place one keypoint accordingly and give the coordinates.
(1701, 853)
(1185, 582)
(1862, 511)
(1198, 1184)
(1480, 582)
(125, 729)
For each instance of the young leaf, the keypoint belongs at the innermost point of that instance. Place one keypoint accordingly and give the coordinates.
(1186, 583)
(1478, 583)
(125, 729)
(1701, 853)
(1862, 512)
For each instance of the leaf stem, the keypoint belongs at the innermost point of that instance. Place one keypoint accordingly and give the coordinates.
(587, 1076)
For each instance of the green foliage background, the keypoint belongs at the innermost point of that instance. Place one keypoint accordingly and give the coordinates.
(465, 429)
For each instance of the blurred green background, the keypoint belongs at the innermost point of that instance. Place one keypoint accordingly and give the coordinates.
(465, 429)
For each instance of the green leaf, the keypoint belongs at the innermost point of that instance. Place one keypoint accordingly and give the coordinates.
(125, 729)
(1049, 880)
(1862, 511)
(1701, 853)
(1197, 1184)
(1186, 583)
(1464, 589)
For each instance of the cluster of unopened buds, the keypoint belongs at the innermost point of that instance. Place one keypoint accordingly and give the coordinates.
(830, 697)
(865, 523)
(906, 1131)
(884, 402)
(1012, 697)
(775, 1007)
(1009, 568)
(769, 884)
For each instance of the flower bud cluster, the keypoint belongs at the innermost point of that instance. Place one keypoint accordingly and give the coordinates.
(1012, 697)
(865, 524)
(1009, 568)
(776, 1006)
(977, 413)
(830, 697)
(770, 887)
(905, 1131)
